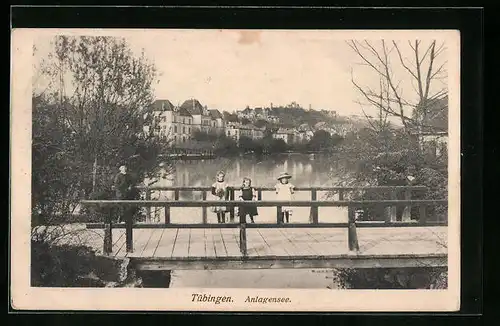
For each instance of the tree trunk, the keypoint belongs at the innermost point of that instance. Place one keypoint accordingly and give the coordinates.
(94, 174)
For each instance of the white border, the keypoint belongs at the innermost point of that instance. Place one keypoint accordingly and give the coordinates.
(26, 297)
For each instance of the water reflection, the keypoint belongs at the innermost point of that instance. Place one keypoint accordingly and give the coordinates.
(317, 170)
(306, 170)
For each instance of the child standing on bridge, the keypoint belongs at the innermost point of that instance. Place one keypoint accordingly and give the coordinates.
(284, 192)
(220, 190)
(247, 193)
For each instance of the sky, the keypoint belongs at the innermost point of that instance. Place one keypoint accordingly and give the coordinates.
(230, 69)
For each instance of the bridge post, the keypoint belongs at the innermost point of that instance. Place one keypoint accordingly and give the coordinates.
(279, 215)
(352, 237)
(176, 194)
(391, 210)
(108, 235)
(407, 210)
(128, 230)
(259, 194)
(204, 208)
(231, 209)
(148, 209)
(167, 214)
(423, 214)
(243, 236)
(314, 208)
(341, 195)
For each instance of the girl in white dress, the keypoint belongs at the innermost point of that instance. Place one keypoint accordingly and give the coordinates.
(284, 192)
(220, 190)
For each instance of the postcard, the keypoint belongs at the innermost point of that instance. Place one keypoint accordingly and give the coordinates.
(235, 170)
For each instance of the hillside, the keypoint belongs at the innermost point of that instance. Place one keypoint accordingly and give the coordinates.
(290, 117)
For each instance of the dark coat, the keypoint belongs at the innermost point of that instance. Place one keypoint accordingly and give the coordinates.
(247, 209)
(123, 186)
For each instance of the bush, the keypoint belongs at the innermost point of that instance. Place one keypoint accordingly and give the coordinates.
(70, 266)
(393, 278)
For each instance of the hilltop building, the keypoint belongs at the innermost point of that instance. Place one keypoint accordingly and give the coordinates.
(236, 130)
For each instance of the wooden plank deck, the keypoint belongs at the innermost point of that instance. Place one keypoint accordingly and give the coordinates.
(221, 243)
(274, 248)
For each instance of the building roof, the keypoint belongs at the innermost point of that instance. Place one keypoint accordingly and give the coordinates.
(215, 114)
(258, 110)
(161, 105)
(184, 112)
(193, 106)
(435, 120)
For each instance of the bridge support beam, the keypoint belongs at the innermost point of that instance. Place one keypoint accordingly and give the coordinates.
(289, 262)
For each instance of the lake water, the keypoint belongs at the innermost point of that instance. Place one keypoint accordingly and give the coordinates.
(306, 170)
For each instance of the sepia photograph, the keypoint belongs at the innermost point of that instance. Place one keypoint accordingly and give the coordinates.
(207, 162)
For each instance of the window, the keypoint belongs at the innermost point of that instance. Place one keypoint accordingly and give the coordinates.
(183, 130)
(175, 129)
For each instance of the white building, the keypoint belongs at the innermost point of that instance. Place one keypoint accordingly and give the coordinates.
(217, 121)
(233, 130)
(287, 135)
(435, 143)
(237, 130)
(201, 117)
(167, 122)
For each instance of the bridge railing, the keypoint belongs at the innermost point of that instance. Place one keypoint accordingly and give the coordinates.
(351, 224)
(341, 192)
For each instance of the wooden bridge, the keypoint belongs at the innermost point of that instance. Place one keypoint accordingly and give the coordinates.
(314, 243)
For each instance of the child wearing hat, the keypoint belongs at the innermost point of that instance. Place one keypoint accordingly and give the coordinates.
(220, 190)
(284, 192)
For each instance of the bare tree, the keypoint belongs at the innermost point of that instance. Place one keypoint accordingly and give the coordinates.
(395, 63)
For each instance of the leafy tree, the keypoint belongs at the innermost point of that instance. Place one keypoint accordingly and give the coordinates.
(245, 121)
(89, 120)
(320, 140)
(225, 146)
(261, 123)
(278, 146)
(246, 144)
